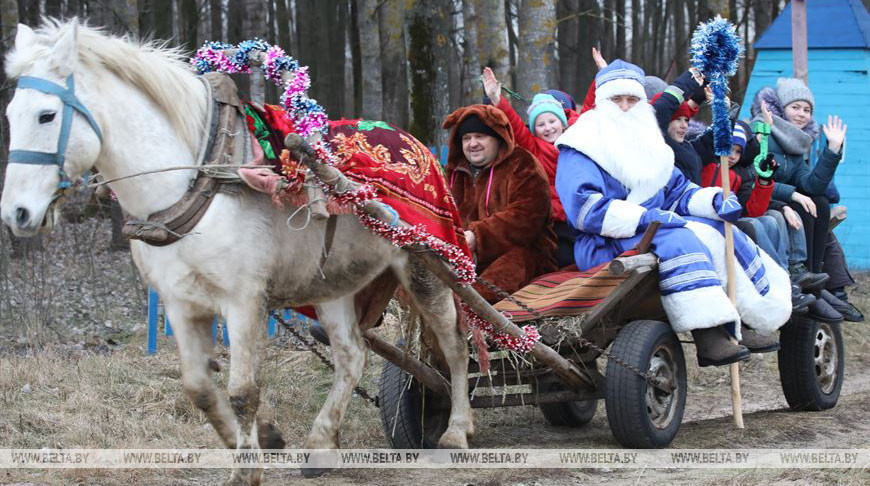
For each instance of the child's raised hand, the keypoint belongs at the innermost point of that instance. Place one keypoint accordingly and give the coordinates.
(835, 132)
(491, 86)
(765, 114)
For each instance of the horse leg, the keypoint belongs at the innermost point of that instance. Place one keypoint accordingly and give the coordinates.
(349, 355)
(244, 324)
(434, 302)
(193, 336)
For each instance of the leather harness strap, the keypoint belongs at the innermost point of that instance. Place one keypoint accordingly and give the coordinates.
(328, 238)
(224, 145)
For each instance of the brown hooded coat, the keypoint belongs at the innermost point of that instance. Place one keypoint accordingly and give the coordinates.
(512, 223)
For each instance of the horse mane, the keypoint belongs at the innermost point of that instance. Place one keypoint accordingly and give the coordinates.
(161, 72)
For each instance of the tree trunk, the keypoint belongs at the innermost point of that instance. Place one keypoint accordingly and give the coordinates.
(492, 37)
(19, 247)
(620, 29)
(370, 55)
(568, 36)
(589, 32)
(394, 65)
(217, 19)
(537, 31)
(52, 8)
(473, 88)
(28, 12)
(439, 12)
(681, 44)
(608, 41)
(284, 19)
(636, 40)
(422, 65)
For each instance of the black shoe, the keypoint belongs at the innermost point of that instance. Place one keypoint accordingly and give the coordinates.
(823, 312)
(757, 343)
(715, 347)
(849, 312)
(806, 279)
(318, 332)
(840, 293)
(799, 300)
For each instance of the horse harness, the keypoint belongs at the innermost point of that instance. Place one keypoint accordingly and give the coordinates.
(226, 121)
(71, 102)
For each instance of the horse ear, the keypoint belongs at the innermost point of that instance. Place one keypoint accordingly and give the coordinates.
(65, 54)
(24, 37)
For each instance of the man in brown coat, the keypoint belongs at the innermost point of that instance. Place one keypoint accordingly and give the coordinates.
(502, 196)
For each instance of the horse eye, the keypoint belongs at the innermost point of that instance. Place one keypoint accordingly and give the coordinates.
(46, 117)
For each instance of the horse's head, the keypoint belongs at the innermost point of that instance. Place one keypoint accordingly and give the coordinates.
(53, 137)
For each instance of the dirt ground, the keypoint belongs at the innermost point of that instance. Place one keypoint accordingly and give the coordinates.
(96, 388)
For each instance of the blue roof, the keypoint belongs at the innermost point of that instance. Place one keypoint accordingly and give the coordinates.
(831, 24)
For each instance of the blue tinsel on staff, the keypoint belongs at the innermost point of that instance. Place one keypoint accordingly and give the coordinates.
(715, 52)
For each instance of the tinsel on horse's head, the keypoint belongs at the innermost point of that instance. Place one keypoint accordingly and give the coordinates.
(715, 52)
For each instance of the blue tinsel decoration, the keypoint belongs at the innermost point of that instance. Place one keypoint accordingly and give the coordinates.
(715, 52)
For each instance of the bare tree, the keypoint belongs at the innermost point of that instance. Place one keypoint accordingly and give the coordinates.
(472, 89)
(370, 47)
(492, 37)
(537, 31)
(394, 61)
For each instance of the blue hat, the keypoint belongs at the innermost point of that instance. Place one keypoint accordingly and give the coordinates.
(619, 78)
(544, 103)
(739, 136)
(562, 97)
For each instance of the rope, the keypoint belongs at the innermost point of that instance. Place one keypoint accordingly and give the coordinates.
(202, 168)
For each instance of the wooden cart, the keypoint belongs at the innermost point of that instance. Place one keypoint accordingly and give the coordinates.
(644, 384)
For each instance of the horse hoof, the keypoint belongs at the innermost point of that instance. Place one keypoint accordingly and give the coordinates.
(453, 439)
(314, 472)
(270, 437)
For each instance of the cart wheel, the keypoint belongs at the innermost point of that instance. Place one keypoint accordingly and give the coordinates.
(409, 420)
(565, 414)
(641, 416)
(811, 363)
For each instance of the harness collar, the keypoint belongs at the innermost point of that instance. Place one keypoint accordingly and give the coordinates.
(71, 102)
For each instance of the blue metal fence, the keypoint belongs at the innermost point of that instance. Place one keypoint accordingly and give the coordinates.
(218, 326)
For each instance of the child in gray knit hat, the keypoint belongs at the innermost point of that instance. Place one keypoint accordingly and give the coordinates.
(797, 101)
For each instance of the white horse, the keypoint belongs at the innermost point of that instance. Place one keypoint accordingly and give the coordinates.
(148, 111)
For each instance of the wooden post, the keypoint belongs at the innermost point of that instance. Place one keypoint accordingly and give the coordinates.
(799, 40)
(736, 399)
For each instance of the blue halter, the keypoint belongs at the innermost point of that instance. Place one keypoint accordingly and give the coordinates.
(71, 102)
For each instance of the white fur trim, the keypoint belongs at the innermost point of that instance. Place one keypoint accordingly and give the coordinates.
(764, 314)
(701, 308)
(701, 203)
(628, 146)
(621, 219)
(618, 87)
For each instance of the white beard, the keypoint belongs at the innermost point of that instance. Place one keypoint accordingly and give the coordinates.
(627, 145)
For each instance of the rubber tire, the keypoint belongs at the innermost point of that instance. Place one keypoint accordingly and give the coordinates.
(797, 366)
(625, 392)
(566, 414)
(401, 405)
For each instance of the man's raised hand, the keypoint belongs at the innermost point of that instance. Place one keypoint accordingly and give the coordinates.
(491, 86)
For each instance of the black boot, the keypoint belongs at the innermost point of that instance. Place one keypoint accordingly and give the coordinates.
(849, 312)
(806, 279)
(823, 312)
(757, 343)
(715, 347)
(799, 300)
